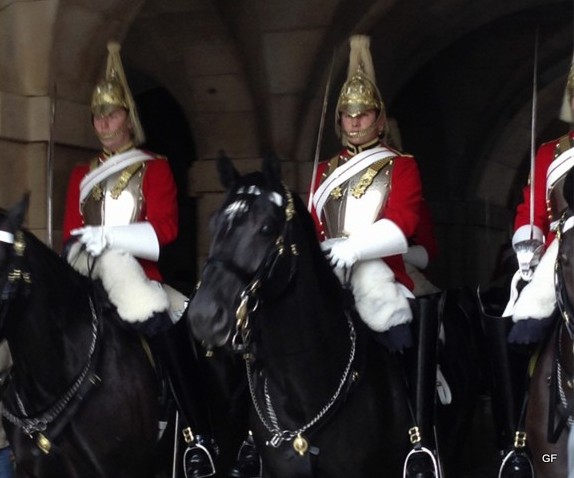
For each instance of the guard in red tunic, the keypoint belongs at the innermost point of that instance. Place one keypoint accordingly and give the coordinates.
(366, 205)
(121, 209)
(529, 311)
(534, 231)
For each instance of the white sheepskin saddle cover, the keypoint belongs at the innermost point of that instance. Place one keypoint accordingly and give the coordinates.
(378, 297)
(135, 296)
(537, 299)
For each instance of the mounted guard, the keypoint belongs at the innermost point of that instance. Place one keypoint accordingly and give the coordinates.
(367, 204)
(121, 209)
(516, 338)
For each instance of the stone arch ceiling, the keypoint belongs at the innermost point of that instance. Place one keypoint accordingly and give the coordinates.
(250, 76)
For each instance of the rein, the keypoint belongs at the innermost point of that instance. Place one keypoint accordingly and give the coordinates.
(300, 444)
(241, 341)
(39, 424)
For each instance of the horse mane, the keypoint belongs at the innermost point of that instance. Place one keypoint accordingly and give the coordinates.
(322, 266)
(46, 259)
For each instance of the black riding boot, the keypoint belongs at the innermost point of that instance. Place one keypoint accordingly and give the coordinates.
(422, 461)
(508, 388)
(179, 359)
(248, 464)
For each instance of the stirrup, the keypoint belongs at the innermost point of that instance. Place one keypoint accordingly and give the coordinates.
(426, 451)
(209, 463)
(516, 464)
(248, 462)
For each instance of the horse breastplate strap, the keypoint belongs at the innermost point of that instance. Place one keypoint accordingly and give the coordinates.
(118, 200)
(358, 201)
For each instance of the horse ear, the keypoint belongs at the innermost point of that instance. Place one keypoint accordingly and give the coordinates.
(228, 175)
(272, 169)
(18, 212)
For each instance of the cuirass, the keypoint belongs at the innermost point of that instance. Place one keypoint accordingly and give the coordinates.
(556, 201)
(353, 206)
(116, 201)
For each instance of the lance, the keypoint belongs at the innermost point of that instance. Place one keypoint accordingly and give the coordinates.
(320, 135)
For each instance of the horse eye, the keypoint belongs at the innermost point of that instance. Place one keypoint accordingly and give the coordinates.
(266, 229)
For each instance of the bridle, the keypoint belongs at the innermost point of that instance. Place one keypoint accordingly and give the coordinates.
(37, 426)
(241, 341)
(250, 296)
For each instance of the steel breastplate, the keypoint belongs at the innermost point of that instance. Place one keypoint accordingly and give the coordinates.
(353, 206)
(118, 200)
(558, 191)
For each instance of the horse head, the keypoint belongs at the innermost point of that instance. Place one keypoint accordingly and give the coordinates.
(12, 247)
(252, 255)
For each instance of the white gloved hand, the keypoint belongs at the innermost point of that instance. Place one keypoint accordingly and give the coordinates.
(327, 244)
(380, 239)
(93, 237)
(417, 256)
(138, 239)
(342, 253)
(528, 255)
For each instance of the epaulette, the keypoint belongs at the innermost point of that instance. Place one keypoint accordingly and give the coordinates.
(564, 143)
(398, 152)
(94, 163)
(332, 164)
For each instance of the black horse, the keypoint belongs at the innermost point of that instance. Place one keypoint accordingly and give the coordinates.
(83, 396)
(327, 401)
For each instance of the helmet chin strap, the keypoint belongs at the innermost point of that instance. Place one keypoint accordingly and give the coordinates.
(356, 138)
(112, 134)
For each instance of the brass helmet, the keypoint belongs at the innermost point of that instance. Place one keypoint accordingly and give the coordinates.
(359, 93)
(566, 110)
(113, 92)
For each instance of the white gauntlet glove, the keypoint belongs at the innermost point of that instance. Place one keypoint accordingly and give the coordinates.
(380, 239)
(528, 254)
(528, 244)
(93, 237)
(138, 239)
(417, 256)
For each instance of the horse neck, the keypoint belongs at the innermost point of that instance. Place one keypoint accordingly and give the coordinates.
(305, 333)
(46, 325)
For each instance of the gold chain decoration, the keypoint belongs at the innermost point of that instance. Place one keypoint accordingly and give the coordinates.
(368, 176)
(120, 185)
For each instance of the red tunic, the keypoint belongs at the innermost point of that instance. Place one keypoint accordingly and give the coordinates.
(544, 157)
(424, 234)
(402, 206)
(160, 208)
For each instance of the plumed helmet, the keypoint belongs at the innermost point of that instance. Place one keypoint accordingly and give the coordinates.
(566, 110)
(113, 92)
(359, 93)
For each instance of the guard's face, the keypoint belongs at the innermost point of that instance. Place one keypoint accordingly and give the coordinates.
(113, 129)
(361, 128)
